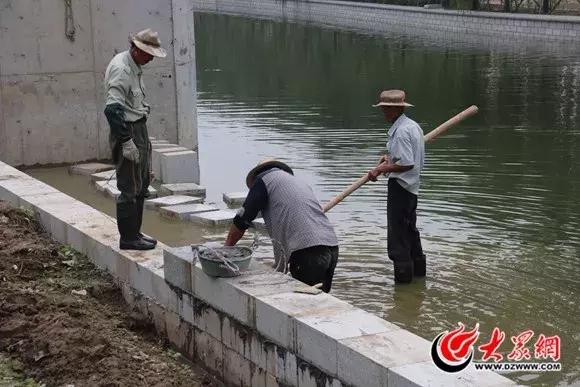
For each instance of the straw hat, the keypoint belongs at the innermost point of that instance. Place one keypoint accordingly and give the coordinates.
(392, 98)
(148, 41)
(264, 165)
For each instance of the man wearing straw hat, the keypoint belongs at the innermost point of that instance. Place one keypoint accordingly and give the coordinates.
(127, 111)
(404, 162)
(301, 234)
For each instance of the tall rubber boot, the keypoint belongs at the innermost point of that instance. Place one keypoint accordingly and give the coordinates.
(420, 266)
(124, 221)
(403, 272)
(140, 204)
(127, 223)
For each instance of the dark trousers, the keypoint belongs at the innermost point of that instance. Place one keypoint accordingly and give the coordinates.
(315, 265)
(133, 181)
(404, 241)
(133, 178)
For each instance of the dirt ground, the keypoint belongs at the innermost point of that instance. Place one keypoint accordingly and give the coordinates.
(53, 333)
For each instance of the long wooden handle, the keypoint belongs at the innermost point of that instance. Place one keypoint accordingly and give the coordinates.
(429, 137)
(432, 135)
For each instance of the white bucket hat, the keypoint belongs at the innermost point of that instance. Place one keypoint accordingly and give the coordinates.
(392, 98)
(148, 41)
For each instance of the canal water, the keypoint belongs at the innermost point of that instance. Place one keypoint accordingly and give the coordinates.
(499, 206)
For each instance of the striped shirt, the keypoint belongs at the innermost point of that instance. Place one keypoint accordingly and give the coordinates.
(292, 214)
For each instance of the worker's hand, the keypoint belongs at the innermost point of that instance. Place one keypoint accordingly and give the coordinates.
(130, 151)
(373, 174)
(383, 159)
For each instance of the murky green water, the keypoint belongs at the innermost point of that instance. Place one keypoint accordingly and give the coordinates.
(499, 210)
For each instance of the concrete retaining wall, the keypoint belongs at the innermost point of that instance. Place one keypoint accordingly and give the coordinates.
(51, 93)
(379, 18)
(253, 330)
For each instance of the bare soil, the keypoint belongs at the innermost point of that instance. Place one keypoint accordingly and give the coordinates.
(64, 322)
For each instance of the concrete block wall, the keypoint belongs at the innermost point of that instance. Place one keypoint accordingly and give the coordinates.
(252, 330)
(51, 89)
(380, 18)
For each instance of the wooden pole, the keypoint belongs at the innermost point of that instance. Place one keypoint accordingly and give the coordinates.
(432, 135)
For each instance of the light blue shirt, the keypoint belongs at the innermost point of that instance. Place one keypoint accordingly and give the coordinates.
(405, 147)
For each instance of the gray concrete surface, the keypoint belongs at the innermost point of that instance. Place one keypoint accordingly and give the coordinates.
(51, 92)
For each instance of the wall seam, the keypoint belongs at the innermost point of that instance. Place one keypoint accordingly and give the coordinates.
(177, 104)
(96, 94)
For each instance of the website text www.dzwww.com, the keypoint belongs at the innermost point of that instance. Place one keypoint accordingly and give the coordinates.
(499, 367)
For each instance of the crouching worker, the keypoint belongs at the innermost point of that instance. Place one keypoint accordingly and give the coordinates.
(301, 234)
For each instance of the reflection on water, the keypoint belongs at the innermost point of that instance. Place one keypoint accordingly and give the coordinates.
(498, 207)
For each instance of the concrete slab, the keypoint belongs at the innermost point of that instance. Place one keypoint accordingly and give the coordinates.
(260, 224)
(179, 167)
(89, 168)
(183, 189)
(163, 146)
(157, 142)
(172, 200)
(177, 271)
(275, 313)
(183, 211)
(156, 158)
(215, 218)
(317, 334)
(106, 175)
(109, 188)
(427, 374)
(366, 360)
(101, 185)
(235, 199)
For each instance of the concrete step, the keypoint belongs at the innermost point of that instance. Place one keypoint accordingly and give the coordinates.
(156, 158)
(179, 167)
(163, 146)
(109, 188)
(259, 224)
(235, 199)
(89, 168)
(215, 218)
(183, 189)
(172, 200)
(159, 141)
(107, 175)
(183, 211)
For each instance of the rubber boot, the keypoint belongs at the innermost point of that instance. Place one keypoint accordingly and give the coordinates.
(420, 266)
(403, 272)
(127, 223)
(140, 206)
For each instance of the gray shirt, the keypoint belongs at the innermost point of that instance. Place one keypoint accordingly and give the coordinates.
(292, 214)
(124, 86)
(405, 147)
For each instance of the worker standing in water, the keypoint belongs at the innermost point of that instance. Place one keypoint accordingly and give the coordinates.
(404, 162)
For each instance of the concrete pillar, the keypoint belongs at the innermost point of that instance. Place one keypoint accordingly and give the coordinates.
(185, 79)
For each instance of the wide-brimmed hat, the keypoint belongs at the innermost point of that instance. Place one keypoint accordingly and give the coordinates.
(264, 165)
(148, 41)
(392, 98)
